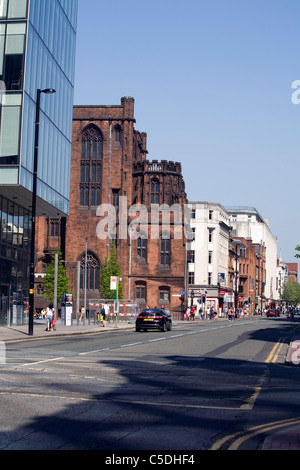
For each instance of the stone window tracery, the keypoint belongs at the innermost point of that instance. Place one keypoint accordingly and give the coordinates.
(91, 167)
(92, 271)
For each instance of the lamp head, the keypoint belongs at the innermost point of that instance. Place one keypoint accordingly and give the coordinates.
(48, 91)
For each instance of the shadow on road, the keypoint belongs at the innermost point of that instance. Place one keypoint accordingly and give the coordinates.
(158, 403)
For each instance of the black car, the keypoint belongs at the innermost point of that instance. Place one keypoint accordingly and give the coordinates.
(153, 318)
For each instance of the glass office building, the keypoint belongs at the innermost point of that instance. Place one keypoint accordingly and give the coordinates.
(37, 51)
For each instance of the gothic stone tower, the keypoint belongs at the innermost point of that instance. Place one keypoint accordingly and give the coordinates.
(109, 166)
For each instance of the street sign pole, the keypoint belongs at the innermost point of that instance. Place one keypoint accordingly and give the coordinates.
(117, 306)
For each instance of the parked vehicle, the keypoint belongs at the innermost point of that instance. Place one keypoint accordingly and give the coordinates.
(153, 318)
(273, 313)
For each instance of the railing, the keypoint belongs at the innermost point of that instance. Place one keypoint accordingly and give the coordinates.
(123, 311)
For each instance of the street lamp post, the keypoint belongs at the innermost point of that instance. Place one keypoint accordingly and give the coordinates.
(35, 169)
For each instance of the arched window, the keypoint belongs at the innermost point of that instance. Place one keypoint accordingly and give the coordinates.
(154, 191)
(141, 291)
(141, 247)
(117, 133)
(165, 252)
(164, 295)
(91, 144)
(92, 270)
(90, 167)
(39, 289)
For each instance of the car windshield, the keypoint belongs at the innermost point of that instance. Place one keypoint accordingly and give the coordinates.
(151, 312)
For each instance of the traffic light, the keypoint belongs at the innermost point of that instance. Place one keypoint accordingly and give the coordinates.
(203, 298)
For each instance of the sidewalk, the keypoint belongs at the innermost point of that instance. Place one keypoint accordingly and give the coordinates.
(9, 333)
(20, 332)
(288, 439)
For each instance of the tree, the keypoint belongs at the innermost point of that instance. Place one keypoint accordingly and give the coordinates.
(297, 255)
(291, 292)
(63, 283)
(111, 268)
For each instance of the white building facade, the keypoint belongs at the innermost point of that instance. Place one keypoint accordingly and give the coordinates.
(282, 276)
(208, 254)
(247, 222)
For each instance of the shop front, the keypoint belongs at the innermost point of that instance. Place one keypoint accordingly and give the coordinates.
(14, 263)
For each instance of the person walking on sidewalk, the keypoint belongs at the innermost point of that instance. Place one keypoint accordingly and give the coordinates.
(192, 313)
(82, 313)
(49, 317)
(105, 314)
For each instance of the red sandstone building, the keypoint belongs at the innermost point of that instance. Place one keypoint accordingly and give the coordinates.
(251, 273)
(110, 166)
(292, 272)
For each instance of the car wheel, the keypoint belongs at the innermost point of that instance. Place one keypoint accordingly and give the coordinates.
(137, 329)
(164, 328)
(170, 326)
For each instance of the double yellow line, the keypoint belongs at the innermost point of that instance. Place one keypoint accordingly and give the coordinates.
(273, 356)
(240, 437)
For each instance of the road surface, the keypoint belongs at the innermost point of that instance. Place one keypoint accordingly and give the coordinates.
(202, 386)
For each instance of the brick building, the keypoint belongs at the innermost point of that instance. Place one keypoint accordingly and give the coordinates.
(249, 260)
(110, 166)
(292, 272)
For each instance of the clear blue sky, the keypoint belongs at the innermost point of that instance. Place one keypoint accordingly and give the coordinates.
(212, 82)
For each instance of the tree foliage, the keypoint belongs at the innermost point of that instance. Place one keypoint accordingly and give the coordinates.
(63, 283)
(111, 268)
(297, 255)
(291, 292)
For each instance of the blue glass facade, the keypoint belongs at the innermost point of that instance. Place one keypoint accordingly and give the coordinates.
(37, 51)
(50, 63)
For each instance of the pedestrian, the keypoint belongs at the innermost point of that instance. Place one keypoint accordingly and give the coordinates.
(192, 313)
(53, 321)
(106, 314)
(49, 317)
(187, 313)
(81, 313)
(102, 315)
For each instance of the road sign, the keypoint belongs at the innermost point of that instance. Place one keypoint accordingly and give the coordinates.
(113, 282)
